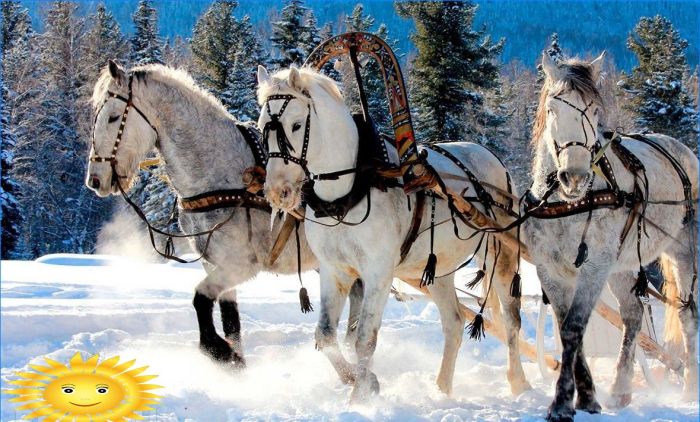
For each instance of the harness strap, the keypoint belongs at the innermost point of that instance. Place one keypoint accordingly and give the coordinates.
(416, 221)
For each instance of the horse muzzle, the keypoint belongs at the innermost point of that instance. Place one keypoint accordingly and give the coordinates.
(283, 195)
(574, 183)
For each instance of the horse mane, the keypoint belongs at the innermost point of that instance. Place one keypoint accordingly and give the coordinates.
(309, 78)
(156, 72)
(578, 77)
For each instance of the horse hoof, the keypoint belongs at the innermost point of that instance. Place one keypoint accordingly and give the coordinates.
(519, 388)
(588, 403)
(560, 414)
(373, 383)
(619, 401)
(218, 350)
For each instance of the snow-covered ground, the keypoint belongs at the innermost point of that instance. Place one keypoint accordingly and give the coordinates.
(142, 311)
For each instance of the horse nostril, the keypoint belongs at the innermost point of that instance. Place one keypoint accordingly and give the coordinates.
(286, 192)
(564, 177)
(95, 182)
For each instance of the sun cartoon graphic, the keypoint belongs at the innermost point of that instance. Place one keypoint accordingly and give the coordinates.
(84, 390)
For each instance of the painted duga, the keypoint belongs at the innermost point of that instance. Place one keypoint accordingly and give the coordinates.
(568, 124)
(308, 105)
(204, 151)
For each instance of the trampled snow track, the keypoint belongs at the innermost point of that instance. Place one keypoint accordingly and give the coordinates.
(144, 312)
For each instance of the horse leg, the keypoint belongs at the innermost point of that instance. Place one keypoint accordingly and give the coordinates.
(356, 293)
(506, 314)
(589, 285)
(443, 294)
(231, 322)
(680, 260)
(334, 291)
(210, 343)
(632, 313)
(377, 287)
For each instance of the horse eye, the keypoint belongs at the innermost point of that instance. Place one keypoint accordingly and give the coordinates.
(113, 119)
(296, 126)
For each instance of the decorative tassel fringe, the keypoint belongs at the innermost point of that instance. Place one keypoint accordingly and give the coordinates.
(304, 300)
(545, 298)
(689, 304)
(477, 279)
(428, 277)
(582, 255)
(640, 287)
(476, 328)
(169, 246)
(515, 286)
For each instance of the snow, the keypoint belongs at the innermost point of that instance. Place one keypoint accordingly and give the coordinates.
(115, 306)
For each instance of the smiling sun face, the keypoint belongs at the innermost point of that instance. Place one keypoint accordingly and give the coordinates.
(86, 389)
(82, 394)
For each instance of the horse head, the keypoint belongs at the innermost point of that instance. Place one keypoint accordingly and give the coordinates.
(121, 133)
(308, 129)
(568, 120)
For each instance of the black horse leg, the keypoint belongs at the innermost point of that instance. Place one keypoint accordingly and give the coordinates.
(209, 341)
(231, 320)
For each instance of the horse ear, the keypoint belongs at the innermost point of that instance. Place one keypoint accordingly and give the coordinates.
(597, 66)
(263, 76)
(550, 67)
(116, 72)
(294, 79)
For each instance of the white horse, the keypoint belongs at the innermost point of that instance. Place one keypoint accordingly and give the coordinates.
(316, 134)
(204, 151)
(567, 139)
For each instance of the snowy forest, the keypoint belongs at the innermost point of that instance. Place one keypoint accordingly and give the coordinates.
(52, 54)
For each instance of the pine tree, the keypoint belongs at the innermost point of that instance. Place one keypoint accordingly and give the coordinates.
(240, 95)
(214, 42)
(16, 36)
(64, 215)
(294, 35)
(10, 211)
(103, 41)
(659, 98)
(145, 46)
(177, 53)
(226, 53)
(454, 66)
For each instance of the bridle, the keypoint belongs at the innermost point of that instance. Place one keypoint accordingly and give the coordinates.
(285, 146)
(558, 148)
(112, 159)
(283, 143)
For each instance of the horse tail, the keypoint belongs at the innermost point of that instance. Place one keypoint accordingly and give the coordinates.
(673, 331)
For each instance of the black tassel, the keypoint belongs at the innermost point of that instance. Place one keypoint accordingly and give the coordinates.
(582, 255)
(169, 246)
(428, 277)
(640, 287)
(515, 287)
(305, 302)
(476, 328)
(689, 304)
(545, 298)
(477, 279)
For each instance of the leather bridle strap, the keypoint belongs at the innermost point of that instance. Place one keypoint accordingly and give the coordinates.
(559, 148)
(129, 105)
